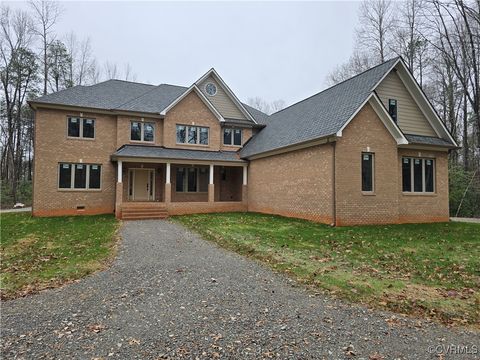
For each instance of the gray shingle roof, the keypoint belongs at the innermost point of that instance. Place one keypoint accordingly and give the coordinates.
(126, 96)
(105, 95)
(160, 152)
(320, 115)
(427, 140)
(155, 100)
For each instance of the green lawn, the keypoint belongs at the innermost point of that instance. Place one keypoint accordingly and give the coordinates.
(428, 270)
(38, 253)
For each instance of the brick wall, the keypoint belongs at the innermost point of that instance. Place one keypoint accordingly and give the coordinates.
(425, 208)
(297, 184)
(366, 133)
(192, 111)
(52, 147)
(123, 130)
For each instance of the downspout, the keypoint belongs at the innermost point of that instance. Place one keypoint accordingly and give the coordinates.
(334, 223)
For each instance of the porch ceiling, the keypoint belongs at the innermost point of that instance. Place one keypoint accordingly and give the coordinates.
(141, 152)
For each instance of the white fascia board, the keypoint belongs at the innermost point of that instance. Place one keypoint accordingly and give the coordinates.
(339, 132)
(207, 102)
(387, 120)
(384, 117)
(423, 103)
(386, 74)
(228, 91)
(419, 97)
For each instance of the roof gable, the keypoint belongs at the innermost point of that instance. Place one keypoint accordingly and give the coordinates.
(226, 98)
(318, 116)
(411, 89)
(194, 88)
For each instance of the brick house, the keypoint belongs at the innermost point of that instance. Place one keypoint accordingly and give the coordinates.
(368, 150)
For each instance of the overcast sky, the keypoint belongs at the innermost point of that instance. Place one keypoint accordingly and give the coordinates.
(275, 50)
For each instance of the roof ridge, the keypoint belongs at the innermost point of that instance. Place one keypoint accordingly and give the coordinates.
(335, 85)
(127, 81)
(155, 87)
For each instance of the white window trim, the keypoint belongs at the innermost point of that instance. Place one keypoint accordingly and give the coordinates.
(72, 177)
(232, 139)
(368, 192)
(197, 140)
(185, 181)
(412, 177)
(142, 131)
(80, 134)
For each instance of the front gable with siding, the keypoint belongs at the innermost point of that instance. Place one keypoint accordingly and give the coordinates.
(411, 119)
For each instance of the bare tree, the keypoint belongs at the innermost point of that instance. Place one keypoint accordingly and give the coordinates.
(457, 25)
(45, 14)
(18, 75)
(128, 73)
(111, 70)
(376, 27)
(408, 40)
(265, 106)
(357, 63)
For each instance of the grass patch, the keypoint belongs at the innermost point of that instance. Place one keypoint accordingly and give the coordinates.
(428, 270)
(39, 253)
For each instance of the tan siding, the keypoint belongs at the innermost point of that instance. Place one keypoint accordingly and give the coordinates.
(221, 101)
(410, 118)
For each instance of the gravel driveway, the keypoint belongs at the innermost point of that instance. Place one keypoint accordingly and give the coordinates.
(171, 294)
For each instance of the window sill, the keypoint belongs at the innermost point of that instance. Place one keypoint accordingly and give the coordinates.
(142, 142)
(233, 146)
(80, 138)
(79, 190)
(369, 193)
(418, 194)
(191, 192)
(193, 145)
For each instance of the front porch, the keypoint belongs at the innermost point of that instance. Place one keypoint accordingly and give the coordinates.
(152, 190)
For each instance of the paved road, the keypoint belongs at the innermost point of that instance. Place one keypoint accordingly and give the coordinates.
(171, 294)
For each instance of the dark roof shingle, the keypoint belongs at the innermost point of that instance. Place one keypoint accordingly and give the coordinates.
(160, 152)
(320, 115)
(427, 140)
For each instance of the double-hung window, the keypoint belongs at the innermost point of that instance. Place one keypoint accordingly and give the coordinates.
(79, 176)
(191, 179)
(80, 127)
(232, 136)
(367, 172)
(418, 175)
(142, 131)
(194, 135)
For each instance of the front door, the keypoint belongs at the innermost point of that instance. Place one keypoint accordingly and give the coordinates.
(143, 184)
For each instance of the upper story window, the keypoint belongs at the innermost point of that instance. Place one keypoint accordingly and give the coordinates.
(194, 135)
(80, 127)
(392, 109)
(211, 89)
(418, 175)
(142, 131)
(232, 136)
(367, 172)
(79, 176)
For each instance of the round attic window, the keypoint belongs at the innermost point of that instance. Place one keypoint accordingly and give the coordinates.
(211, 89)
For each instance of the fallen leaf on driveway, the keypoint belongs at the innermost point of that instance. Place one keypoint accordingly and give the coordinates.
(96, 328)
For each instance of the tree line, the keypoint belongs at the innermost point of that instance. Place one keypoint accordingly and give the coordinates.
(36, 60)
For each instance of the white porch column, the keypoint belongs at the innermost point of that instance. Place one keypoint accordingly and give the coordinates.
(211, 187)
(245, 175)
(167, 174)
(211, 174)
(119, 171)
